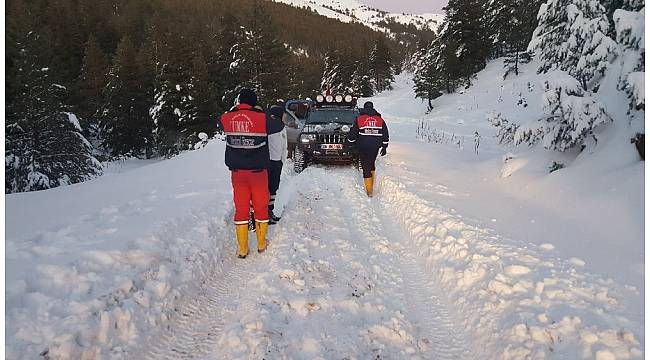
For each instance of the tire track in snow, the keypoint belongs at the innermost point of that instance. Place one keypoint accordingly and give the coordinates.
(196, 326)
(397, 314)
(190, 332)
(439, 337)
(544, 306)
(445, 339)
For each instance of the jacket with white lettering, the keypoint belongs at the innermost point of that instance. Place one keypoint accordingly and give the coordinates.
(247, 133)
(369, 130)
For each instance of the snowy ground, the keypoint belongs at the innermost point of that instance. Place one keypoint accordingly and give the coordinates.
(458, 255)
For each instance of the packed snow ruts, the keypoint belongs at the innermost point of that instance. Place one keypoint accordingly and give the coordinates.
(297, 292)
(317, 278)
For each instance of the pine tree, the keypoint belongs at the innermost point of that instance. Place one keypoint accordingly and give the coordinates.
(331, 71)
(125, 125)
(459, 52)
(338, 72)
(65, 37)
(364, 79)
(221, 62)
(499, 18)
(427, 80)
(346, 72)
(464, 37)
(511, 24)
(44, 146)
(630, 35)
(200, 105)
(259, 56)
(304, 75)
(168, 48)
(382, 69)
(571, 36)
(91, 82)
(437, 70)
(572, 116)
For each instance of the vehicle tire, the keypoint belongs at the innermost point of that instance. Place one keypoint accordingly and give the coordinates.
(298, 160)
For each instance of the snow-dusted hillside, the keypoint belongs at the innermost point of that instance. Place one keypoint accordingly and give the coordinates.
(355, 11)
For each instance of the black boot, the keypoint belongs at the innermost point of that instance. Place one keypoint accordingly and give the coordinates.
(273, 219)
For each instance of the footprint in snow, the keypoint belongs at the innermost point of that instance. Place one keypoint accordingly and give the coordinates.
(293, 277)
(360, 285)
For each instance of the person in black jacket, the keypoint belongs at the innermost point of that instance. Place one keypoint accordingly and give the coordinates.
(370, 133)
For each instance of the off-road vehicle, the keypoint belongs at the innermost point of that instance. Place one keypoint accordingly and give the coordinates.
(323, 138)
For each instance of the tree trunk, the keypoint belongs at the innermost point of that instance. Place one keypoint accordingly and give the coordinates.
(517, 63)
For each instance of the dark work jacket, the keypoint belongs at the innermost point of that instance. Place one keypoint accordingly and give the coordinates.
(247, 131)
(369, 130)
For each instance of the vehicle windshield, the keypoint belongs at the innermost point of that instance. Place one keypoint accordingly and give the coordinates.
(332, 115)
(299, 109)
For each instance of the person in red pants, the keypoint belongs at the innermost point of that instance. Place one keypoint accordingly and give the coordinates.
(247, 157)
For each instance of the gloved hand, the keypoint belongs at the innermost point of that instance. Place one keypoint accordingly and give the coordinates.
(383, 151)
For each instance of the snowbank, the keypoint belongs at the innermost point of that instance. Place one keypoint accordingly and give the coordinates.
(591, 209)
(520, 302)
(93, 267)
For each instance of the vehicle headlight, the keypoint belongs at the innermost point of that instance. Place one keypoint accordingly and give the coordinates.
(318, 128)
(339, 98)
(329, 98)
(305, 138)
(320, 98)
(345, 128)
(348, 98)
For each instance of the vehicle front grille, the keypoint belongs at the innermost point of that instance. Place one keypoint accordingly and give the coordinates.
(330, 139)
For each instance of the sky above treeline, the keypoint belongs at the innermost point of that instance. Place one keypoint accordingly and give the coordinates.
(408, 6)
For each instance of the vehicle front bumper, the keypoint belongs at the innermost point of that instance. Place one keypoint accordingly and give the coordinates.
(314, 152)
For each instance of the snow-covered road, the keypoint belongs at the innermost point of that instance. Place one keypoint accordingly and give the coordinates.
(339, 281)
(392, 277)
(458, 256)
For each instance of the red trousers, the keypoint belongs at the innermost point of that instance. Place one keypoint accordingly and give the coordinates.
(250, 186)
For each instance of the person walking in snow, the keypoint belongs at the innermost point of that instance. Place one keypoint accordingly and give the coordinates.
(247, 156)
(370, 133)
(277, 153)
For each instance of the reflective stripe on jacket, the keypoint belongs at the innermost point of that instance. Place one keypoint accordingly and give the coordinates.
(369, 131)
(246, 138)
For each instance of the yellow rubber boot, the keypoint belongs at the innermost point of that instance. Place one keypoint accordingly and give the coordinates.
(242, 240)
(260, 231)
(373, 175)
(368, 183)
